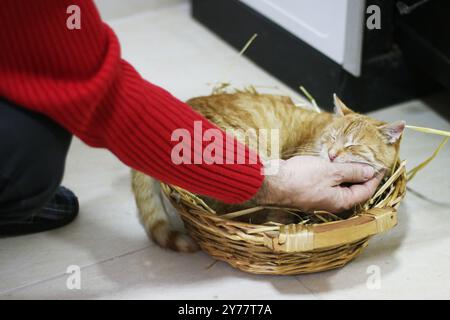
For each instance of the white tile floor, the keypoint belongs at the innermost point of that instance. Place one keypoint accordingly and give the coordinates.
(117, 260)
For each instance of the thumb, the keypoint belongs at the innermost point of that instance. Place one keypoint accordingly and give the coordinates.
(351, 172)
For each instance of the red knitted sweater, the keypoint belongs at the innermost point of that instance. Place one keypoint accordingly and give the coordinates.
(78, 78)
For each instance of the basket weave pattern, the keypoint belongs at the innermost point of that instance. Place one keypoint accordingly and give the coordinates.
(291, 249)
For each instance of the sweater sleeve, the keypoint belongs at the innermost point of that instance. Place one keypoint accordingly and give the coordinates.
(77, 78)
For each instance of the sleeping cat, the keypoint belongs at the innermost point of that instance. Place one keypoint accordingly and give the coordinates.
(344, 136)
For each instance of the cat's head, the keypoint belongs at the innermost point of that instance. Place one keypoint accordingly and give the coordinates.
(353, 137)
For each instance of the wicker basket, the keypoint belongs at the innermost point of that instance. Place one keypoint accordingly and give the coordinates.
(289, 249)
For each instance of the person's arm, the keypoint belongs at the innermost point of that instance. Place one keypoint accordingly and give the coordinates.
(77, 78)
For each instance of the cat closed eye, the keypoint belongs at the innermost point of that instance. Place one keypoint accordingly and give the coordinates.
(354, 147)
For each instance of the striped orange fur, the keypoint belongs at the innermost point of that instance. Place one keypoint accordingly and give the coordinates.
(344, 136)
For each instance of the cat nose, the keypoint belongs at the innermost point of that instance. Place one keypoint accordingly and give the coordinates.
(332, 156)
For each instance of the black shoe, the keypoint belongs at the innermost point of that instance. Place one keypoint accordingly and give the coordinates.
(60, 210)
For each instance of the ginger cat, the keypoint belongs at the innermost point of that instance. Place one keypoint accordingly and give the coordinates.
(344, 136)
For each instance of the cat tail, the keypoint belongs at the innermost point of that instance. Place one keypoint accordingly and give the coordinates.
(154, 217)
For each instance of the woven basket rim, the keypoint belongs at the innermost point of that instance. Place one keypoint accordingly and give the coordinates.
(299, 237)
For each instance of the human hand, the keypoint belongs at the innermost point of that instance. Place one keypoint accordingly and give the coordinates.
(312, 183)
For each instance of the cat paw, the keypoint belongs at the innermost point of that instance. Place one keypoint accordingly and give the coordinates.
(175, 240)
(184, 243)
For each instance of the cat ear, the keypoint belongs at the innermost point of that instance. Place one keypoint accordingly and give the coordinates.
(393, 131)
(339, 107)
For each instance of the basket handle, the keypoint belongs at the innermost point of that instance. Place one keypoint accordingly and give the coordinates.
(298, 238)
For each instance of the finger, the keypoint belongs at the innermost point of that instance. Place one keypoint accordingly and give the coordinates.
(357, 193)
(351, 172)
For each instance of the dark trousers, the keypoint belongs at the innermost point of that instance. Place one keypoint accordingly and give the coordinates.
(33, 151)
